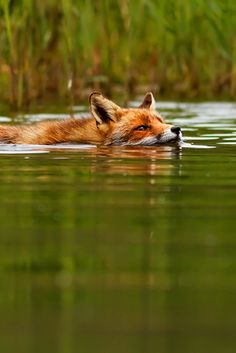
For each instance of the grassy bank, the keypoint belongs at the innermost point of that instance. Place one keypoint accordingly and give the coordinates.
(65, 48)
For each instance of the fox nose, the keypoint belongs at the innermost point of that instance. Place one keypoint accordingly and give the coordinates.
(175, 129)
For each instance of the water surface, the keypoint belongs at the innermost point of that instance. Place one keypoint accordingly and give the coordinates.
(121, 249)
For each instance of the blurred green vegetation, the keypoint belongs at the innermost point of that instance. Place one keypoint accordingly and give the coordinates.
(66, 48)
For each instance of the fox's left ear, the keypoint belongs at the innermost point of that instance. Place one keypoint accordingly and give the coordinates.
(148, 102)
(103, 109)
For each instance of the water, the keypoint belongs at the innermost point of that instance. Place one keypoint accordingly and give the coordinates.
(122, 249)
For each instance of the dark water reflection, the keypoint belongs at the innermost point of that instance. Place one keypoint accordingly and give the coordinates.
(122, 249)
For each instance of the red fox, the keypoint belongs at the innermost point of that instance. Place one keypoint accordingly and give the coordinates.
(108, 125)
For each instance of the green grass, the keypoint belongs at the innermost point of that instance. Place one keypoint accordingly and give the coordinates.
(66, 48)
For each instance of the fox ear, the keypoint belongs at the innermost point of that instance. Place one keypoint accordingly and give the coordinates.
(148, 102)
(103, 109)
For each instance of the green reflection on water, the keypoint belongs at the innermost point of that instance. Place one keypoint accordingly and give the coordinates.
(118, 250)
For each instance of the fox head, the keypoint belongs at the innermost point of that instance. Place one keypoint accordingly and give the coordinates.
(131, 126)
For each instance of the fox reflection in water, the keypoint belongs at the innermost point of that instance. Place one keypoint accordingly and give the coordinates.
(148, 160)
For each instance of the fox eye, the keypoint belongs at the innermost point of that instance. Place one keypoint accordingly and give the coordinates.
(142, 128)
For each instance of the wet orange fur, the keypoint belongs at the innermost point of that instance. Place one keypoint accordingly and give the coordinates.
(118, 128)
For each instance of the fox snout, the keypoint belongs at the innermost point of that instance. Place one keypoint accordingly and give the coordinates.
(171, 134)
(176, 130)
